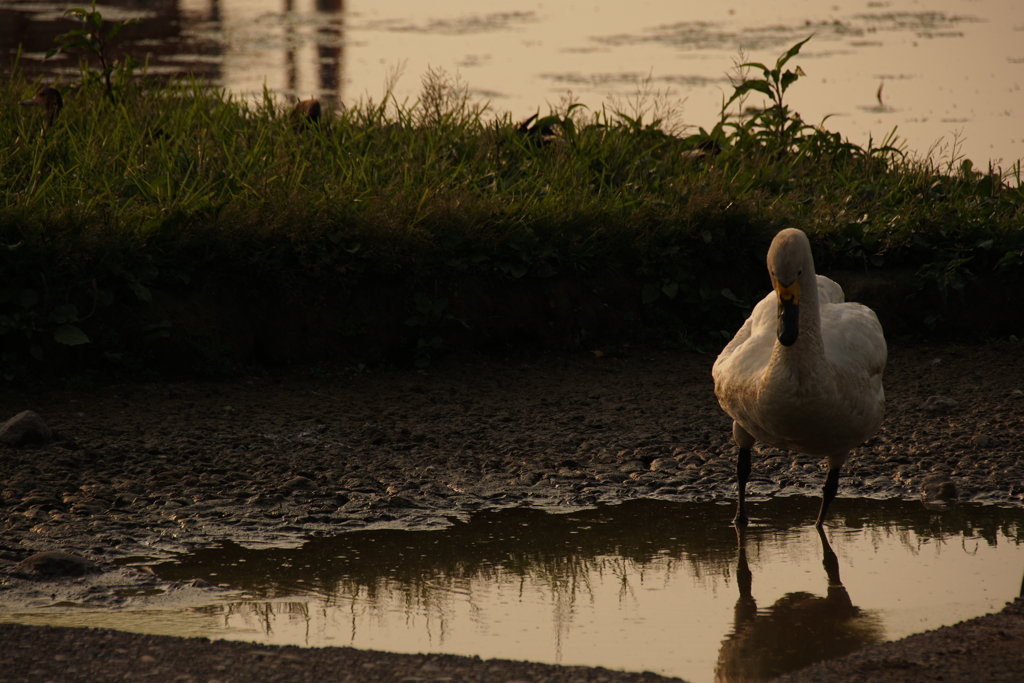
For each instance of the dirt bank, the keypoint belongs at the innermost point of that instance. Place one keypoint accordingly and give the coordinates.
(150, 469)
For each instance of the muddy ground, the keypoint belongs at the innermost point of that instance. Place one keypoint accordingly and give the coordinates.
(150, 469)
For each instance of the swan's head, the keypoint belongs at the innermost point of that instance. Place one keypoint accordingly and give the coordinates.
(789, 259)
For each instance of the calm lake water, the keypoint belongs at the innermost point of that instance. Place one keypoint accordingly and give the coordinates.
(946, 74)
(646, 585)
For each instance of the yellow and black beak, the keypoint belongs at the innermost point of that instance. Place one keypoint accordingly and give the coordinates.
(789, 312)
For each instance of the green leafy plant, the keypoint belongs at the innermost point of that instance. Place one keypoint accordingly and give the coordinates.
(429, 311)
(26, 323)
(91, 38)
(780, 126)
(431, 314)
(184, 188)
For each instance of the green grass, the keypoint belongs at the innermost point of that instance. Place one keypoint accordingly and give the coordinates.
(172, 186)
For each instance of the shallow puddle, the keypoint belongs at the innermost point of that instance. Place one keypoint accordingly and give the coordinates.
(645, 585)
(950, 69)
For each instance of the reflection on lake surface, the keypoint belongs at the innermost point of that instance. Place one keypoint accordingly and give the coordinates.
(949, 69)
(646, 585)
(799, 629)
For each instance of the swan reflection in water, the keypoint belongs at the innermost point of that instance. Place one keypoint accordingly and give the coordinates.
(800, 629)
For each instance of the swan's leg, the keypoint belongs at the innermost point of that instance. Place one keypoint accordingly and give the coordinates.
(829, 560)
(828, 492)
(745, 612)
(745, 441)
(742, 473)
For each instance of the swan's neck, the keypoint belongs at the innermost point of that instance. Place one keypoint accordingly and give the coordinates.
(810, 312)
(808, 352)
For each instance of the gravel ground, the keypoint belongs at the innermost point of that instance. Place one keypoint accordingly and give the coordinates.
(152, 469)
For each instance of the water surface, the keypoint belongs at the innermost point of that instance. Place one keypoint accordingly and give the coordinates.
(947, 74)
(645, 585)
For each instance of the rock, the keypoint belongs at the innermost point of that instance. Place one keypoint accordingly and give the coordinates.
(529, 478)
(985, 441)
(938, 488)
(664, 464)
(42, 501)
(940, 405)
(398, 502)
(299, 484)
(54, 564)
(25, 427)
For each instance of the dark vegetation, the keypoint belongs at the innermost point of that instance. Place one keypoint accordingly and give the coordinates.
(171, 227)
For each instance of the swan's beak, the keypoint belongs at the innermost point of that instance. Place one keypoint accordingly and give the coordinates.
(789, 312)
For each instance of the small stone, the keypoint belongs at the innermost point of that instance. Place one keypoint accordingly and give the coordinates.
(42, 501)
(25, 427)
(528, 478)
(36, 515)
(985, 441)
(398, 502)
(938, 488)
(663, 464)
(940, 405)
(299, 483)
(53, 564)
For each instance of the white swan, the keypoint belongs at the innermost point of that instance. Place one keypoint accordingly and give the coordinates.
(804, 373)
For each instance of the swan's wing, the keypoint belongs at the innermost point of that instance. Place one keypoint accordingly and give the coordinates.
(829, 292)
(744, 358)
(854, 340)
(855, 349)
